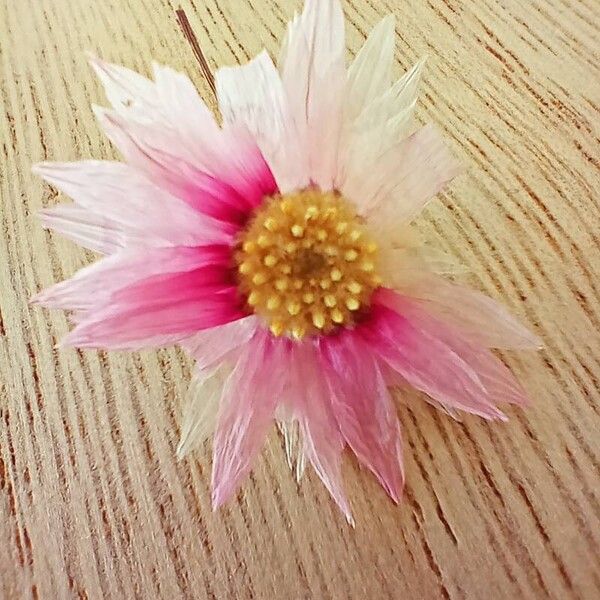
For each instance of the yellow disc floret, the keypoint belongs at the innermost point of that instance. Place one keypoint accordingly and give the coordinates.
(305, 264)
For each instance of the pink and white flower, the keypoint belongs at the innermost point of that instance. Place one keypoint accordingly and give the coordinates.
(275, 249)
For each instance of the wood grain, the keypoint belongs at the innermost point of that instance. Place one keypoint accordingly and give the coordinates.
(93, 503)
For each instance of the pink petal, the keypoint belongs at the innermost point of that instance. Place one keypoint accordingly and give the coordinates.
(154, 152)
(92, 231)
(424, 361)
(364, 409)
(313, 76)
(93, 285)
(211, 346)
(253, 95)
(497, 379)
(167, 131)
(230, 155)
(481, 319)
(143, 211)
(163, 305)
(310, 401)
(250, 397)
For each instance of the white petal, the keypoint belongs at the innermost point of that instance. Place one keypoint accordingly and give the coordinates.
(201, 408)
(369, 75)
(313, 77)
(406, 177)
(392, 261)
(253, 95)
(382, 123)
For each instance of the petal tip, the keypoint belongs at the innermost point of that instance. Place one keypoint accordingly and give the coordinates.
(217, 499)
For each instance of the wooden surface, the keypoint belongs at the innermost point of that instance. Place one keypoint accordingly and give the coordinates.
(93, 503)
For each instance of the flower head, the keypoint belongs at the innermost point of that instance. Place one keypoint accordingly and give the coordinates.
(275, 249)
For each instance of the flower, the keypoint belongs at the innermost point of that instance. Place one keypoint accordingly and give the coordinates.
(275, 250)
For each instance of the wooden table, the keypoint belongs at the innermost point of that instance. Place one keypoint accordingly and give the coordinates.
(93, 503)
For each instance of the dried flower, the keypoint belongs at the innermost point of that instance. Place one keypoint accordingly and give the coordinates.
(275, 249)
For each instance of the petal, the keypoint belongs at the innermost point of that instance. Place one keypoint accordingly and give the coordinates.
(212, 346)
(92, 231)
(93, 285)
(369, 75)
(167, 131)
(313, 76)
(114, 190)
(392, 111)
(229, 154)
(155, 153)
(294, 448)
(364, 409)
(380, 125)
(201, 408)
(127, 91)
(253, 95)
(310, 401)
(499, 382)
(163, 305)
(394, 262)
(250, 397)
(404, 179)
(425, 361)
(478, 317)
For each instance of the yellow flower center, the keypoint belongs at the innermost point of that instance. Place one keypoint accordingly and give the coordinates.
(305, 264)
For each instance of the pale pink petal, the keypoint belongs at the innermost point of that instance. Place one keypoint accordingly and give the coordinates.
(370, 73)
(424, 361)
(201, 408)
(171, 104)
(310, 400)
(117, 192)
(403, 180)
(92, 231)
(212, 346)
(481, 319)
(253, 95)
(93, 285)
(187, 113)
(162, 305)
(127, 91)
(363, 408)
(313, 76)
(497, 379)
(250, 397)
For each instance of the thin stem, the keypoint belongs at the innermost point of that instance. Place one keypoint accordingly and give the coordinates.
(188, 32)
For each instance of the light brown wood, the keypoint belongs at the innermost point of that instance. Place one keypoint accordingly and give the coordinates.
(93, 503)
